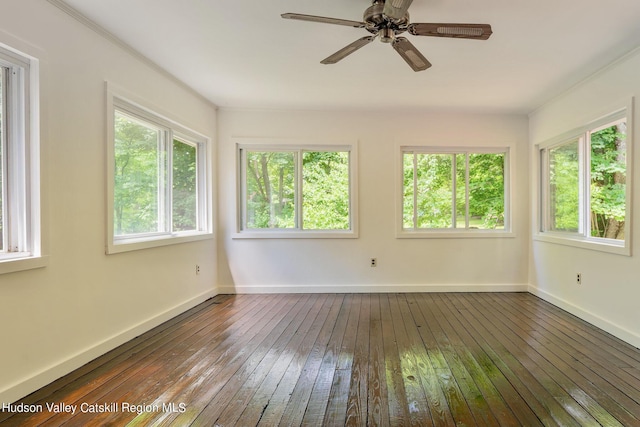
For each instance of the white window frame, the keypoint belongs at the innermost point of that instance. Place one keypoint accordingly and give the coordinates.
(169, 130)
(21, 168)
(412, 233)
(582, 238)
(267, 144)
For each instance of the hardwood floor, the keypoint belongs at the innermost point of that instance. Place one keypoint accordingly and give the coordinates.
(505, 359)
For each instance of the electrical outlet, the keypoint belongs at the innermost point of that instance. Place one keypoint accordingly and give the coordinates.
(374, 262)
(579, 278)
(197, 269)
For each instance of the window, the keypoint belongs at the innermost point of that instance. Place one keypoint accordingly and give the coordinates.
(457, 191)
(158, 172)
(290, 191)
(584, 190)
(19, 163)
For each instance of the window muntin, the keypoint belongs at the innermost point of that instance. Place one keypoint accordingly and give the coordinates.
(19, 163)
(293, 189)
(584, 196)
(455, 190)
(158, 180)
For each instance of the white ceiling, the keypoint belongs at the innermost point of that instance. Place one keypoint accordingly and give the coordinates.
(243, 54)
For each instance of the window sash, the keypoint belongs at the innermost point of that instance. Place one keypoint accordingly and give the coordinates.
(196, 209)
(550, 192)
(158, 202)
(298, 185)
(460, 191)
(169, 133)
(592, 202)
(17, 195)
(3, 159)
(582, 233)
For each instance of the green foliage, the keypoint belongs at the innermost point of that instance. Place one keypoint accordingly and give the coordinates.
(185, 196)
(271, 190)
(486, 189)
(325, 190)
(607, 187)
(270, 193)
(137, 176)
(564, 183)
(431, 197)
(608, 181)
(565, 186)
(140, 180)
(434, 190)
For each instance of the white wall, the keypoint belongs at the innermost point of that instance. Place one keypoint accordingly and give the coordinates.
(84, 302)
(330, 265)
(609, 293)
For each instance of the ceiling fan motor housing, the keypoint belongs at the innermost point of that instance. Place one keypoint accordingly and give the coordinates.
(376, 22)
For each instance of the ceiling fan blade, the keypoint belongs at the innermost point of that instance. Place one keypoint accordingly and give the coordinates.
(410, 54)
(323, 20)
(462, 31)
(348, 50)
(396, 9)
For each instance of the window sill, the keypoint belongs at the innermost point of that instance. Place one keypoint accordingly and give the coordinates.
(295, 234)
(135, 244)
(612, 247)
(13, 265)
(454, 234)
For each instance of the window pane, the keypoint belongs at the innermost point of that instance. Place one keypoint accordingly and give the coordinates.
(434, 176)
(608, 181)
(408, 190)
(270, 192)
(486, 191)
(137, 177)
(185, 191)
(564, 187)
(461, 191)
(325, 190)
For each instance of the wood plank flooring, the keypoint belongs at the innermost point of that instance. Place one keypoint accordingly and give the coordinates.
(437, 359)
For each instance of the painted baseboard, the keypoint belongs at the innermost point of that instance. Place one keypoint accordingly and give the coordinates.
(48, 375)
(342, 289)
(610, 327)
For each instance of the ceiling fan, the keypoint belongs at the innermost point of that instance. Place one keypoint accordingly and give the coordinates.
(390, 18)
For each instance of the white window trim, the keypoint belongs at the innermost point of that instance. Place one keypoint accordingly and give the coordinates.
(454, 233)
(117, 99)
(581, 239)
(24, 138)
(285, 145)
